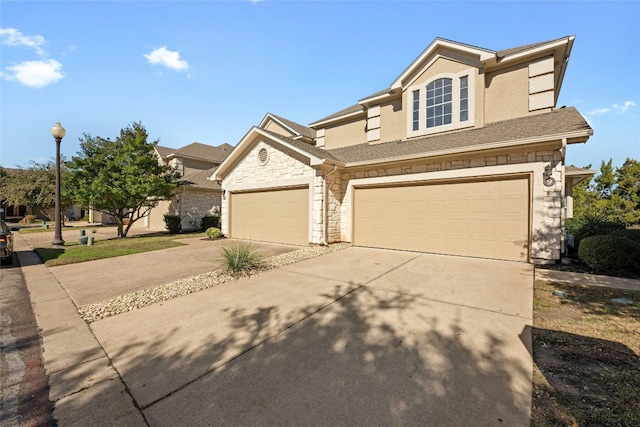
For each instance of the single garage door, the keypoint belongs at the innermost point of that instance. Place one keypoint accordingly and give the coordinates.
(487, 219)
(280, 216)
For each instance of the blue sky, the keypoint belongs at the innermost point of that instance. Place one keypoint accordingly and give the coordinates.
(207, 71)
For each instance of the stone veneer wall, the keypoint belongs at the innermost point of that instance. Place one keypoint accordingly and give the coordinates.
(547, 223)
(280, 167)
(196, 203)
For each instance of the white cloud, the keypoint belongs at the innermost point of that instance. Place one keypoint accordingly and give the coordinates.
(617, 108)
(598, 111)
(624, 107)
(167, 58)
(13, 37)
(36, 74)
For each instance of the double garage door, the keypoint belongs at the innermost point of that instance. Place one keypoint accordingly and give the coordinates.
(488, 219)
(280, 216)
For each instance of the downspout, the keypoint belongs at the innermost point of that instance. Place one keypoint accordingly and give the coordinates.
(563, 199)
(325, 197)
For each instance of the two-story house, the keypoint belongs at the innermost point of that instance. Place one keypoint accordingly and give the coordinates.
(199, 196)
(463, 154)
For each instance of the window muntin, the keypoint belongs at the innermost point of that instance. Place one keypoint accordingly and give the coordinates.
(464, 98)
(416, 110)
(439, 102)
(446, 102)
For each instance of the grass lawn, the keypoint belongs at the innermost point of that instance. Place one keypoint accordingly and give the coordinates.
(75, 253)
(586, 353)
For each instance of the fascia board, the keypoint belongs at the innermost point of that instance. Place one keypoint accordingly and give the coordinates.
(495, 145)
(483, 54)
(373, 99)
(269, 116)
(335, 119)
(536, 50)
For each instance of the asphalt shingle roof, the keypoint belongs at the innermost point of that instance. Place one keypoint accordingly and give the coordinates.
(198, 179)
(205, 152)
(555, 122)
(298, 128)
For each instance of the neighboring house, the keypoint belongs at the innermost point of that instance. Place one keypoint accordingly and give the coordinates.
(199, 196)
(462, 154)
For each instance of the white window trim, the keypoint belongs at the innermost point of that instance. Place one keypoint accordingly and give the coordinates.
(455, 92)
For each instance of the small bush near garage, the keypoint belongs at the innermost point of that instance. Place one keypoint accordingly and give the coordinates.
(213, 233)
(209, 221)
(241, 258)
(610, 254)
(629, 233)
(173, 223)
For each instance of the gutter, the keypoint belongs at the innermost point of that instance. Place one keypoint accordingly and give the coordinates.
(495, 145)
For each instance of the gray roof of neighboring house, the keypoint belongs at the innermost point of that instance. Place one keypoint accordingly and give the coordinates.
(561, 121)
(198, 179)
(298, 128)
(204, 152)
(164, 151)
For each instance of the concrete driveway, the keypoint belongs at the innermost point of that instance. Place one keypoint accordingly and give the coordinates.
(99, 280)
(357, 337)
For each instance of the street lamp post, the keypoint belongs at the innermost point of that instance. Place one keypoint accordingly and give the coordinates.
(58, 133)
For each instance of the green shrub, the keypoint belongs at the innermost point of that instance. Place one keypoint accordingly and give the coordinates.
(572, 225)
(629, 233)
(209, 221)
(610, 254)
(213, 233)
(241, 258)
(173, 223)
(594, 225)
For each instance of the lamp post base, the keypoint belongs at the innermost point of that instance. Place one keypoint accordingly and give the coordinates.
(57, 243)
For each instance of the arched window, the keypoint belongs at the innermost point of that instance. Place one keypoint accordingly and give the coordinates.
(442, 104)
(439, 101)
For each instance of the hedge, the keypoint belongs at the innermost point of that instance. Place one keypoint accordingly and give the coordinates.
(610, 254)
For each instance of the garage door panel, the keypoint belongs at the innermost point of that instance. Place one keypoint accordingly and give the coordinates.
(275, 216)
(485, 218)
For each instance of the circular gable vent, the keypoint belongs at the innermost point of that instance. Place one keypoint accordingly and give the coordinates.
(263, 156)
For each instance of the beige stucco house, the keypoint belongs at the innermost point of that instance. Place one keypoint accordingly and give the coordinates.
(199, 196)
(463, 154)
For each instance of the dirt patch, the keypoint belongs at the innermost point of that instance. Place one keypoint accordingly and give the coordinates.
(586, 353)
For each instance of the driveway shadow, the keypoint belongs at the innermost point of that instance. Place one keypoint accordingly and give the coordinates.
(368, 357)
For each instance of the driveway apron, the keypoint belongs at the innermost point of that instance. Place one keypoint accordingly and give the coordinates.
(357, 337)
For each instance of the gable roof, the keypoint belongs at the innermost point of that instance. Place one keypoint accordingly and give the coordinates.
(164, 151)
(295, 128)
(482, 55)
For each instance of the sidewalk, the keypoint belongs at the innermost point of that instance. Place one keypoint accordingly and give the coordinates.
(78, 368)
(587, 279)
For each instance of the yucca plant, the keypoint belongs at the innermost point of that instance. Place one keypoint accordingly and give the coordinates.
(241, 258)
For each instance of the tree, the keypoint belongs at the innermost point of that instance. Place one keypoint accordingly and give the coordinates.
(625, 198)
(120, 178)
(34, 186)
(613, 194)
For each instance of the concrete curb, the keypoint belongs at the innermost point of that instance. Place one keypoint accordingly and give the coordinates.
(84, 386)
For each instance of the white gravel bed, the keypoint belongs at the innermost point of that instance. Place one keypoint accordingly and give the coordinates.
(123, 303)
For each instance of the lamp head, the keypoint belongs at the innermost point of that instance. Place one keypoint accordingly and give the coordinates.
(58, 131)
